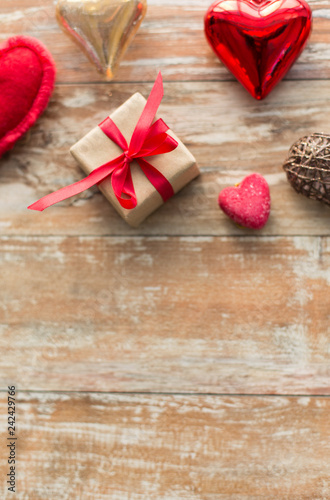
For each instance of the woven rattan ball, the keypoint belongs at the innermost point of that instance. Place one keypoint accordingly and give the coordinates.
(308, 167)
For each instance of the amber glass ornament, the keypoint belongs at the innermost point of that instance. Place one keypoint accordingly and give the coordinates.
(103, 28)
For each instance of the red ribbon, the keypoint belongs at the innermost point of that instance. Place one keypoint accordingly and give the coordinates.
(147, 140)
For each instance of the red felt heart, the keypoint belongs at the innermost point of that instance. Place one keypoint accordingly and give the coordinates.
(258, 41)
(27, 76)
(248, 203)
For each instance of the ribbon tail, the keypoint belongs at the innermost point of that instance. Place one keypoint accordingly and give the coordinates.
(148, 114)
(157, 179)
(96, 176)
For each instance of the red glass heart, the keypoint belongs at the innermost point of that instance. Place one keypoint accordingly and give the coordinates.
(258, 41)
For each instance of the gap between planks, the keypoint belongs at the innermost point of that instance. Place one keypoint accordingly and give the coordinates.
(160, 393)
(202, 80)
(253, 235)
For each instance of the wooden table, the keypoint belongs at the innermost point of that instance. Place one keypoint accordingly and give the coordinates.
(189, 358)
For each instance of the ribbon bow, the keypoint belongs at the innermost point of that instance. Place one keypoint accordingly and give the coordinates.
(147, 140)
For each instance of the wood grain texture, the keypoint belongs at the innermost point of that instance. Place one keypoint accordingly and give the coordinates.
(41, 163)
(171, 38)
(224, 315)
(133, 447)
(188, 303)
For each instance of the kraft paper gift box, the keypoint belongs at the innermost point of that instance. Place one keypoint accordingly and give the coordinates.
(95, 149)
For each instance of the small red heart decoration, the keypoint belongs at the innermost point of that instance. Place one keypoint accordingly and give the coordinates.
(248, 203)
(258, 41)
(27, 76)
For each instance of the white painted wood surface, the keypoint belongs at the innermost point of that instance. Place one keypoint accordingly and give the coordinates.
(165, 447)
(41, 163)
(205, 314)
(189, 304)
(171, 38)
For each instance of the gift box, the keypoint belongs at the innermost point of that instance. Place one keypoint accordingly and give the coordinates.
(134, 158)
(94, 149)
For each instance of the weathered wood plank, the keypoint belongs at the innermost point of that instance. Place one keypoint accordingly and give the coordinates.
(120, 447)
(204, 314)
(229, 140)
(224, 315)
(171, 38)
